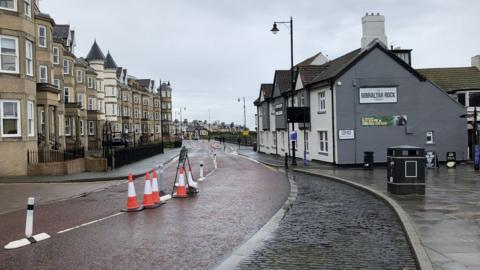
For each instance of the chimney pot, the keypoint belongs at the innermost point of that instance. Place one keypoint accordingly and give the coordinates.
(373, 27)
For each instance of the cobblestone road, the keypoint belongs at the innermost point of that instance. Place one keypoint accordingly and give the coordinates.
(334, 226)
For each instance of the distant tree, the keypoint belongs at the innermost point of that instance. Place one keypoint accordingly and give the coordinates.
(232, 125)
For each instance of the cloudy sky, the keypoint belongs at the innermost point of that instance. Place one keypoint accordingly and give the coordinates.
(215, 51)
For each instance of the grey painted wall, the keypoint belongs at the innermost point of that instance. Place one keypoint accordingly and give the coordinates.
(281, 120)
(265, 116)
(426, 106)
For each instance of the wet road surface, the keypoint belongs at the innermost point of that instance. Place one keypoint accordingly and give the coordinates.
(334, 226)
(198, 233)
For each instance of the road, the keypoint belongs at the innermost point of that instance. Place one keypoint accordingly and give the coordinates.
(198, 232)
(334, 226)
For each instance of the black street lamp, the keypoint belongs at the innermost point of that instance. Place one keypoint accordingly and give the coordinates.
(275, 30)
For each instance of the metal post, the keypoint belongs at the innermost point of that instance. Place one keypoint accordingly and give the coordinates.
(294, 161)
(475, 141)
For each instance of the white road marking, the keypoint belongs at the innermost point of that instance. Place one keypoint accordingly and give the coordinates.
(89, 223)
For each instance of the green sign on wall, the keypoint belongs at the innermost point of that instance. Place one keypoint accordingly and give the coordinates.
(390, 120)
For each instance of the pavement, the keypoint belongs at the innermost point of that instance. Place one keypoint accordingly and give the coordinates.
(334, 226)
(446, 219)
(137, 169)
(199, 232)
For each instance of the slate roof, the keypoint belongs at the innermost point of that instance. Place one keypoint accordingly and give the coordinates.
(119, 72)
(309, 60)
(335, 66)
(308, 73)
(266, 89)
(144, 82)
(60, 32)
(283, 80)
(95, 53)
(109, 62)
(453, 79)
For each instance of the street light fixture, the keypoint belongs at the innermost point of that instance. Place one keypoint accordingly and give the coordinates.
(275, 30)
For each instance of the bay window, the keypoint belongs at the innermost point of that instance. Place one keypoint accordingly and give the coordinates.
(42, 74)
(9, 54)
(30, 118)
(8, 5)
(28, 57)
(42, 36)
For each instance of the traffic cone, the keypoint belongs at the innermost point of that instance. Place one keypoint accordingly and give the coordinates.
(155, 191)
(147, 194)
(192, 184)
(132, 203)
(181, 190)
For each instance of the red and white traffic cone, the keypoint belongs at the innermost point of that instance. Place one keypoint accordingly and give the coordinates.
(147, 194)
(180, 188)
(132, 203)
(193, 186)
(155, 191)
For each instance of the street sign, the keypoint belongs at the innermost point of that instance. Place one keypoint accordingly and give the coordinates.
(293, 136)
(451, 159)
(245, 133)
(431, 159)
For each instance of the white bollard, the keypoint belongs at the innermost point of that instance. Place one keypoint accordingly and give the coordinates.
(28, 230)
(201, 172)
(29, 223)
(215, 160)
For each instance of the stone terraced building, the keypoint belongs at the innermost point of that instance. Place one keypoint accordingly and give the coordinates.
(53, 100)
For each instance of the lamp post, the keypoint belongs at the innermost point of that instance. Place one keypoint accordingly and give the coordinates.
(275, 30)
(244, 114)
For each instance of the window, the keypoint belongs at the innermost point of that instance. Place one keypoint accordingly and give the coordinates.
(56, 55)
(8, 5)
(66, 67)
(68, 128)
(125, 128)
(27, 8)
(90, 104)
(164, 93)
(90, 82)
(66, 95)
(10, 113)
(91, 128)
(156, 116)
(42, 74)
(157, 128)
(155, 103)
(145, 114)
(272, 109)
(28, 58)
(80, 99)
(135, 99)
(323, 142)
(135, 113)
(42, 36)
(302, 100)
(30, 116)
(79, 76)
(9, 54)
(429, 136)
(56, 82)
(145, 128)
(125, 111)
(274, 134)
(321, 102)
(82, 127)
(137, 128)
(125, 96)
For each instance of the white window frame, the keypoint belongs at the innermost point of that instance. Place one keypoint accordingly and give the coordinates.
(28, 57)
(91, 127)
(56, 82)
(17, 66)
(82, 128)
(90, 104)
(323, 141)
(11, 9)
(80, 99)
(67, 67)
(322, 101)
(40, 78)
(30, 118)
(44, 44)
(66, 98)
(90, 82)
(429, 137)
(68, 127)
(56, 54)
(27, 11)
(79, 76)
(18, 117)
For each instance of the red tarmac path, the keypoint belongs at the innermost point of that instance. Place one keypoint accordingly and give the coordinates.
(196, 233)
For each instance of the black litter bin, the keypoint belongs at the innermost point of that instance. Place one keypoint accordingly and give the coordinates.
(255, 146)
(406, 170)
(368, 160)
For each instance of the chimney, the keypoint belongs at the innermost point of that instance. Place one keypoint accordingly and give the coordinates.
(373, 27)
(476, 61)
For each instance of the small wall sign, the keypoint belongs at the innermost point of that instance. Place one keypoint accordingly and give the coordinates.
(346, 134)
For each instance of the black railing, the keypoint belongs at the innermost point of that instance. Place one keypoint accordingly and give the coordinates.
(129, 155)
(47, 155)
